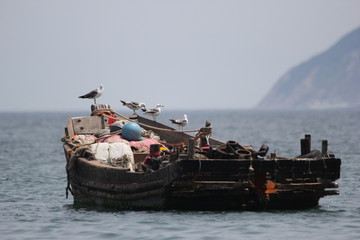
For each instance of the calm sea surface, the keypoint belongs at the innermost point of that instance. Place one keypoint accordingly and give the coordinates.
(33, 181)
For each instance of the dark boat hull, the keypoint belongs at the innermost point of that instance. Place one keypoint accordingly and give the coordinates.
(212, 180)
(202, 185)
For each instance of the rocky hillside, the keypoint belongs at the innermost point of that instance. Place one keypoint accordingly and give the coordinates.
(329, 80)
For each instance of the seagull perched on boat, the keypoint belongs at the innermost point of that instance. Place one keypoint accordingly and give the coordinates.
(94, 94)
(153, 112)
(133, 105)
(181, 123)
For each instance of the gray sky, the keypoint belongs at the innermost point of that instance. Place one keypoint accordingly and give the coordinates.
(189, 54)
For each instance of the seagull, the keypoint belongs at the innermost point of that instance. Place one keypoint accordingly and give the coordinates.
(94, 94)
(133, 105)
(153, 112)
(181, 123)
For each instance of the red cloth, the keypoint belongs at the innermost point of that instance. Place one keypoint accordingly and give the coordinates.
(111, 121)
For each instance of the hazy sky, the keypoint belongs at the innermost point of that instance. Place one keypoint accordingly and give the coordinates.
(189, 54)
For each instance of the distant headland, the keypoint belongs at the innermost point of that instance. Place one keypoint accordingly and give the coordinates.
(327, 81)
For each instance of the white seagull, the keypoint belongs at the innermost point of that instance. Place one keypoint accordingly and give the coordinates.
(133, 105)
(153, 112)
(181, 123)
(94, 94)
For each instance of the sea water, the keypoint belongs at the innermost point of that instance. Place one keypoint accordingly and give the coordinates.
(33, 180)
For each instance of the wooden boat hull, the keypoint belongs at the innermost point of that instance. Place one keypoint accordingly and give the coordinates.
(204, 184)
(217, 182)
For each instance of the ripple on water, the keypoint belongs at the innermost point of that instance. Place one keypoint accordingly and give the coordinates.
(32, 188)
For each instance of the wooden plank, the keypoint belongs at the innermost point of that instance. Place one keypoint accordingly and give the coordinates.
(305, 145)
(191, 148)
(88, 125)
(324, 146)
(120, 187)
(170, 137)
(69, 129)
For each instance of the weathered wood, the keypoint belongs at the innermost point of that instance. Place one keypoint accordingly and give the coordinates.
(140, 156)
(324, 147)
(66, 132)
(170, 137)
(119, 187)
(187, 182)
(120, 195)
(190, 149)
(305, 145)
(88, 125)
(69, 128)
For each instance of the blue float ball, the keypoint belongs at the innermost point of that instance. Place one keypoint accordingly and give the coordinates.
(131, 131)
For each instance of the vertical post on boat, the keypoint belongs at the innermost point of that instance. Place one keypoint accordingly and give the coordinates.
(190, 150)
(324, 146)
(305, 144)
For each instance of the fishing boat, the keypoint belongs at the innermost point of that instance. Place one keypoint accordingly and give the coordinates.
(165, 168)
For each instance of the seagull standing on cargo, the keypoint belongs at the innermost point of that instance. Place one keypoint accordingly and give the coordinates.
(181, 123)
(94, 94)
(133, 105)
(153, 112)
